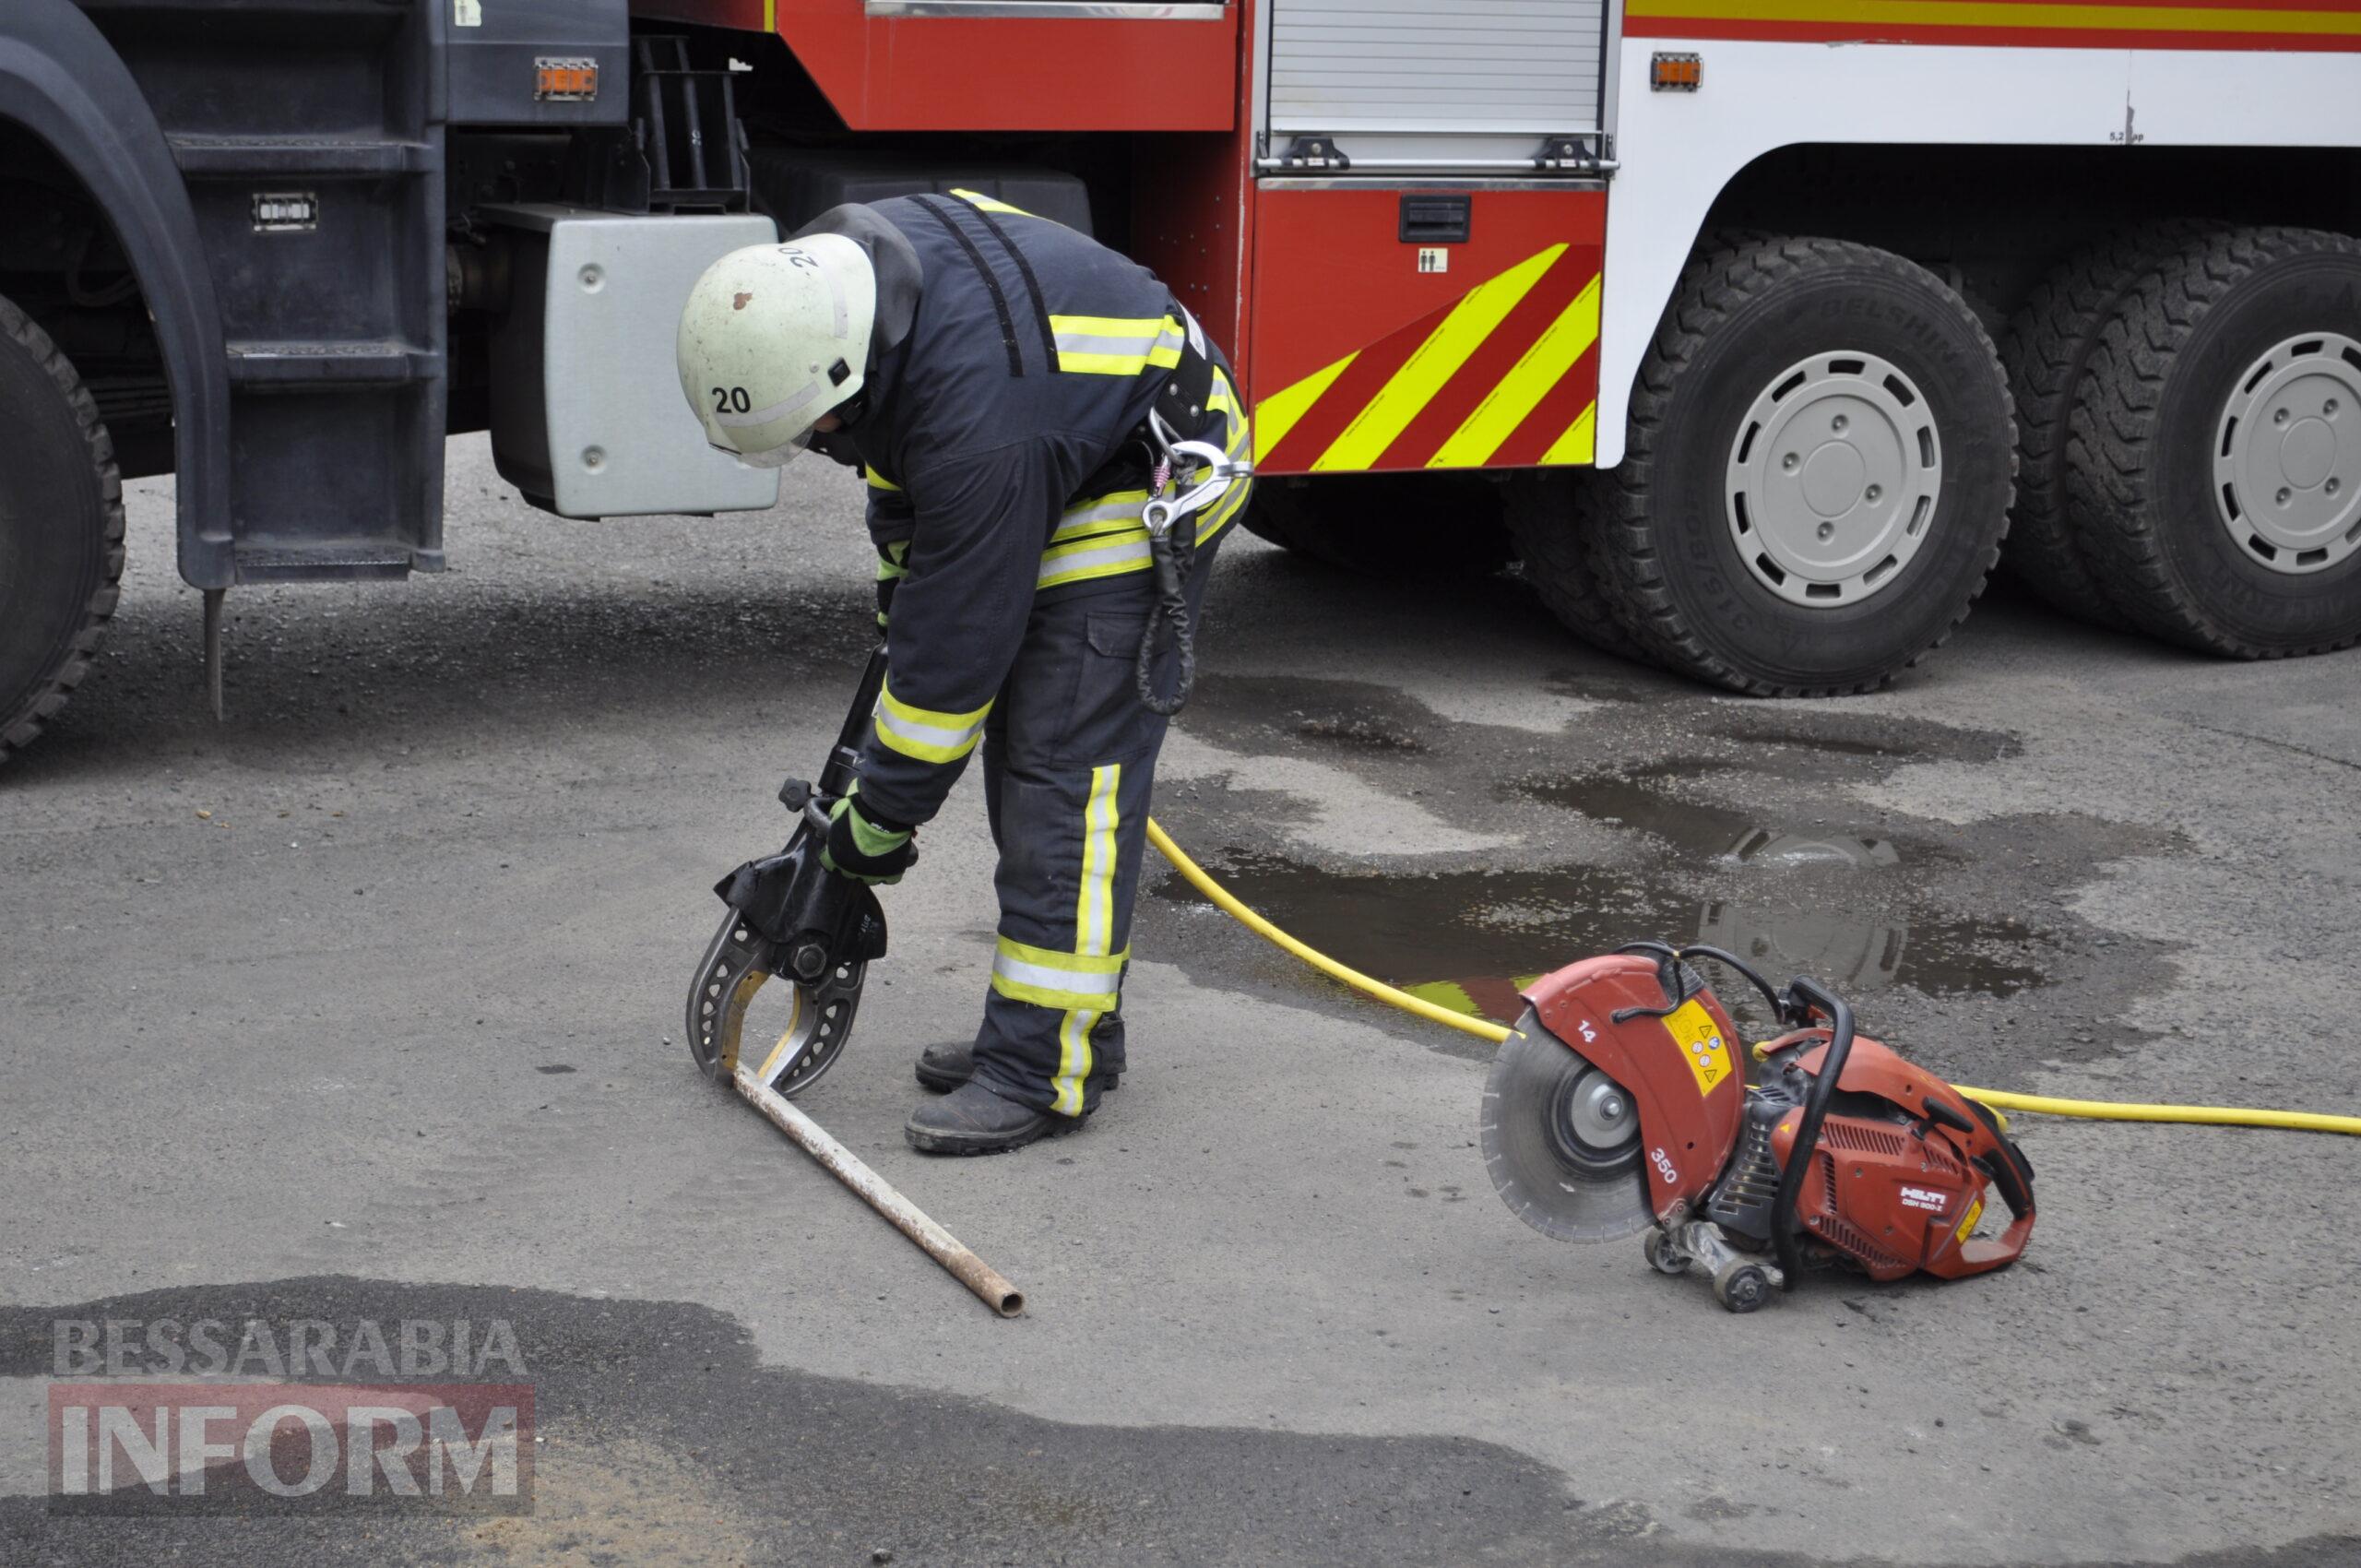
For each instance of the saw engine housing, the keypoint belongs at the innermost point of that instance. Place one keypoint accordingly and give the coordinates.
(1843, 1152)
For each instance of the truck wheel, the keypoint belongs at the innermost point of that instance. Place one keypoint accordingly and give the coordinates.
(1551, 528)
(61, 529)
(1818, 475)
(1389, 525)
(2046, 348)
(2215, 473)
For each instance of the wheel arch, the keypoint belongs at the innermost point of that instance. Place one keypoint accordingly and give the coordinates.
(63, 84)
(1685, 156)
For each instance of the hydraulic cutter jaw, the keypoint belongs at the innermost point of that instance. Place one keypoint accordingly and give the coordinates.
(792, 920)
(817, 1018)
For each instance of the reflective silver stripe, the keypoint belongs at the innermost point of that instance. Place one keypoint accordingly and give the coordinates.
(1120, 509)
(1100, 561)
(1018, 972)
(1098, 343)
(927, 734)
(776, 410)
(1196, 333)
(1164, 332)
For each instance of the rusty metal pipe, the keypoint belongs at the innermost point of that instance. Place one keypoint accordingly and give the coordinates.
(878, 1193)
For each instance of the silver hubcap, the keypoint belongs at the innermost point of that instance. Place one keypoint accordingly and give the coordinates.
(1833, 479)
(2287, 456)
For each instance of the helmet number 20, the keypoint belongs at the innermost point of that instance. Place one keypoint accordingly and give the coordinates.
(730, 400)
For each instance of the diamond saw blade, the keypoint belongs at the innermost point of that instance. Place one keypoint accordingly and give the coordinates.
(1562, 1140)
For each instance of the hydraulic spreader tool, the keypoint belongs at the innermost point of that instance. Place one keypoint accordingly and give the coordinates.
(1618, 1104)
(792, 920)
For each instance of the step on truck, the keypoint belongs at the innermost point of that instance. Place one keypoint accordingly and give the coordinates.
(1759, 332)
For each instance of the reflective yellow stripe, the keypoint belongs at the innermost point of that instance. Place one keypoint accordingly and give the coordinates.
(1074, 1061)
(1434, 361)
(923, 733)
(2012, 14)
(1083, 961)
(1522, 390)
(877, 480)
(1577, 444)
(1277, 414)
(1094, 919)
(1094, 931)
(1144, 327)
(1231, 505)
(988, 204)
(1241, 432)
(1110, 345)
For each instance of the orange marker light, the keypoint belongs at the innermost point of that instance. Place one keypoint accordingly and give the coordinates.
(566, 81)
(1676, 73)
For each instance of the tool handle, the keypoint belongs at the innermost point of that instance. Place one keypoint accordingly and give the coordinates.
(1804, 998)
(836, 776)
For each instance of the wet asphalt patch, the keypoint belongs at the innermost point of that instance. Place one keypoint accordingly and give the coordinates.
(663, 1439)
(1683, 818)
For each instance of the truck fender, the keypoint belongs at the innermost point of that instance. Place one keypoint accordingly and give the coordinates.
(62, 81)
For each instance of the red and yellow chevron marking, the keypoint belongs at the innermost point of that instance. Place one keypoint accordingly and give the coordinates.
(2055, 24)
(1507, 375)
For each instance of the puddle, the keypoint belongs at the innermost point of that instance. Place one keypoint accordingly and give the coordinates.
(1467, 940)
(1827, 901)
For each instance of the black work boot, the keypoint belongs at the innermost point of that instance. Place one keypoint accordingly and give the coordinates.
(973, 1120)
(944, 1067)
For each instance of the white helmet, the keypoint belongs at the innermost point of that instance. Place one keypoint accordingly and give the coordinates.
(774, 337)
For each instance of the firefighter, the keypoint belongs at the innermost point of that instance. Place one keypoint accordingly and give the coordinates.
(992, 374)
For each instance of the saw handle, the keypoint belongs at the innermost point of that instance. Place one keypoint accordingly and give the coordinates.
(1805, 997)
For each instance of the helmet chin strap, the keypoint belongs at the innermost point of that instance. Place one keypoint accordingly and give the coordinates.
(836, 445)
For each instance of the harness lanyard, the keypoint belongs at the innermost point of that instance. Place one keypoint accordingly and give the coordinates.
(1212, 472)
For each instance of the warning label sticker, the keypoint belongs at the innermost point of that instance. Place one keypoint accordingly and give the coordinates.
(1967, 1226)
(1692, 1028)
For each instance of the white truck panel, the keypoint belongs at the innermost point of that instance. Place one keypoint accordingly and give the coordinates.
(1678, 149)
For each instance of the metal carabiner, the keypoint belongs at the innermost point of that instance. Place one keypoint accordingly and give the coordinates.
(1212, 471)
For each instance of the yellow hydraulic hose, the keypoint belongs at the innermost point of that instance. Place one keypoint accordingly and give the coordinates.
(2045, 1105)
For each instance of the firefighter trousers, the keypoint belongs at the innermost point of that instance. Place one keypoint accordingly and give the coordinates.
(1069, 760)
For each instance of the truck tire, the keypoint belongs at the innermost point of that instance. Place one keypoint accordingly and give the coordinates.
(61, 529)
(2215, 464)
(1818, 474)
(1550, 526)
(1388, 525)
(2046, 349)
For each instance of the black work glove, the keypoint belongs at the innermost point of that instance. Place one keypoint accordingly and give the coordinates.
(864, 848)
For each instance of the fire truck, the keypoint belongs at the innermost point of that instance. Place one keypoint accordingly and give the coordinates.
(1759, 332)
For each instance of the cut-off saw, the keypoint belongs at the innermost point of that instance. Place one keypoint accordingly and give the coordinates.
(1619, 1104)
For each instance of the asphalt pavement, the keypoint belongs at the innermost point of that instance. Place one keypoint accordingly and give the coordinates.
(366, 1004)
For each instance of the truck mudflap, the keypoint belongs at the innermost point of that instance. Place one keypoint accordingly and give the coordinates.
(588, 419)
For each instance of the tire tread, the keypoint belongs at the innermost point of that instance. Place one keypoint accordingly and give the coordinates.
(2112, 448)
(1728, 271)
(21, 728)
